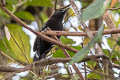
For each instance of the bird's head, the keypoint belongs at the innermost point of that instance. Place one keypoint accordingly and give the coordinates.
(59, 13)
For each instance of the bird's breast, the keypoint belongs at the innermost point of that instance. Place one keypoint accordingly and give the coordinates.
(55, 24)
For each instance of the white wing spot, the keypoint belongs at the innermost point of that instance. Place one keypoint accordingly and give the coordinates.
(36, 55)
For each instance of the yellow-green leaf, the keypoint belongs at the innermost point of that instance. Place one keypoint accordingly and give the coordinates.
(25, 15)
(19, 44)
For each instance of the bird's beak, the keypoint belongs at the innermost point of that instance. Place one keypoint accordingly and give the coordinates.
(66, 10)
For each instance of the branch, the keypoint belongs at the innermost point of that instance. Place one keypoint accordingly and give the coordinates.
(113, 8)
(66, 33)
(41, 63)
(55, 5)
(4, 68)
(3, 2)
(116, 66)
(50, 61)
(94, 57)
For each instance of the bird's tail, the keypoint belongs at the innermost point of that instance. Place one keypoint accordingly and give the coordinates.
(38, 57)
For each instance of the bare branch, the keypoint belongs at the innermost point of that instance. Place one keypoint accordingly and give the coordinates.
(113, 8)
(3, 2)
(66, 33)
(55, 5)
(41, 63)
(49, 61)
(116, 66)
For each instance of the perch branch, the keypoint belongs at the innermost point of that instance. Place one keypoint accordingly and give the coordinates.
(66, 33)
(49, 61)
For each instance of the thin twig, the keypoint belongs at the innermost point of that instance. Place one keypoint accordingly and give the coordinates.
(85, 71)
(66, 33)
(20, 3)
(55, 5)
(65, 6)
(116, 66)
(113, 8)
(41, 63)
(49, 61)
(3, 2)
(51, 76)
(8, 57)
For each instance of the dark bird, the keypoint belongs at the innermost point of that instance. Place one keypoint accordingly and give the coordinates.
(42, 47)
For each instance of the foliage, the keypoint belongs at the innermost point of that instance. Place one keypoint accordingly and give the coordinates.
(15, 45)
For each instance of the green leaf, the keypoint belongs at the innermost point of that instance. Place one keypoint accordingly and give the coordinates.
(111, 42)
(3, 14)
(10, 7)
(66, 40)
(72, 53)
(60, 54)
(94, 76)
(95, 10)
(84, 51)
(19, 44)
(91, 64)
(46, 3)
(44, 17)
(25, 15)
(106, 52)
(5, 47)
(114, 54)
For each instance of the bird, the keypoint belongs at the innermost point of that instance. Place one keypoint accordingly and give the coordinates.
(42, 47)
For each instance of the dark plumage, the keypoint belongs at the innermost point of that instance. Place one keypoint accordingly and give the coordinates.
(41, 46)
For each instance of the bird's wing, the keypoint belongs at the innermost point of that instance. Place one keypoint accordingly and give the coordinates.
(38, 40)
(35, 44)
